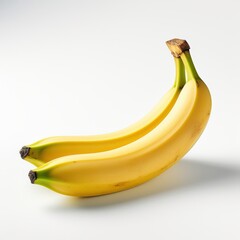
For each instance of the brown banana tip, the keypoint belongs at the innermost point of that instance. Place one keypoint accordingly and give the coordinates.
(24, 151)
(33, 176)
(177, 46)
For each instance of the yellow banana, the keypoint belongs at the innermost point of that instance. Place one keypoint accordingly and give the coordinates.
(47, 149)
(133, 164)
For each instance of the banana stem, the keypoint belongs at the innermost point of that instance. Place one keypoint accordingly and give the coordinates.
(180, 78)
(189, 65)
(180, 48)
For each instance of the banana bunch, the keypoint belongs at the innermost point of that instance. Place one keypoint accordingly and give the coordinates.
(102, 164)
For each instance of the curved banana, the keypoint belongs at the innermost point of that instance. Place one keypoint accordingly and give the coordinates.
(130, 165)
(47, 149)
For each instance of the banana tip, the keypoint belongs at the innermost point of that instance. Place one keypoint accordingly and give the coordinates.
(24, 151)
(33, 176)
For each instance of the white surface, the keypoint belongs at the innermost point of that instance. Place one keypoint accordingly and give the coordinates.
(88, 67)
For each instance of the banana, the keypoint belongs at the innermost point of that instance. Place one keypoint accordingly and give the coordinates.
(137, 162)
(47, 149)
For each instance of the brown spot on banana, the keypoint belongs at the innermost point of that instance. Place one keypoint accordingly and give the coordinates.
(196, 129)
(120, 184)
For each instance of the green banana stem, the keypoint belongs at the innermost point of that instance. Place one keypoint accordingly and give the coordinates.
(189, 65)
(180, 78)
(180, 48)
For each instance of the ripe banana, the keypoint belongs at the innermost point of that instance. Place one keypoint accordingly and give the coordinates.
(133, 164)
(47, 149)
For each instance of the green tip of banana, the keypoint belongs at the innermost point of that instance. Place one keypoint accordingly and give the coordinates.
(24, 151)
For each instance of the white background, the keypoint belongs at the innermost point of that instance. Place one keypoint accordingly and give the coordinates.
(89, 67)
